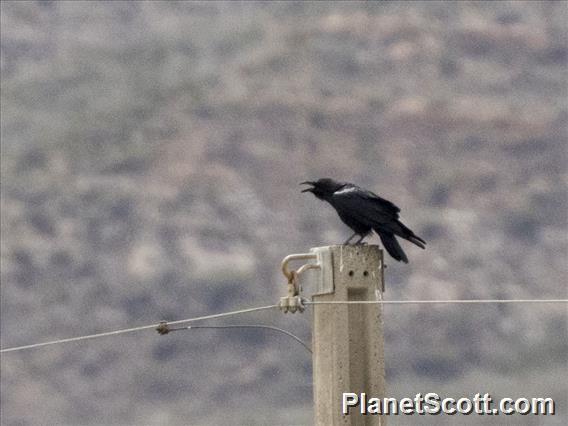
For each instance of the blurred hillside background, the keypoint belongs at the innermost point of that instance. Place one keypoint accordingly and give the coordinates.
(151, 156)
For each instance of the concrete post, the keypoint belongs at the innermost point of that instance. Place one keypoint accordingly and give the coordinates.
(348, 353)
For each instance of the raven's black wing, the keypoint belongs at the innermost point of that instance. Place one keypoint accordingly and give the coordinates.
(364, 206)
(353, 203)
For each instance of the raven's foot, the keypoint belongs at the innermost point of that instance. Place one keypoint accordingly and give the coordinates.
(360, 240)
(346, 243)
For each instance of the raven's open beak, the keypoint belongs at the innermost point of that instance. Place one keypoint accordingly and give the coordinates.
(308, 183)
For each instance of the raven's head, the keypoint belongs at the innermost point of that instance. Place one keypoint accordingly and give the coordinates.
(322, 188)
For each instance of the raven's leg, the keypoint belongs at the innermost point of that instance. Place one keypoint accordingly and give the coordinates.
(361, 239)
(350, 238)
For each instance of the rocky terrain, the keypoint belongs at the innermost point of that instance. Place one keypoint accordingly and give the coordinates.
(151, 155)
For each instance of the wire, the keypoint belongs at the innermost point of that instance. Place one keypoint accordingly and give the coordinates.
(430, 302)
(129, 330)
(267, 327)
(304, 301)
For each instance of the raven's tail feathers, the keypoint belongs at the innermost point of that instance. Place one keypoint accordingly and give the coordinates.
(406, 233)
(392, 246)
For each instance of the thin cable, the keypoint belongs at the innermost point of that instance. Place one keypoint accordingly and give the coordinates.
(129, 330)
(306, 302)
(267, 327)
(430, 302)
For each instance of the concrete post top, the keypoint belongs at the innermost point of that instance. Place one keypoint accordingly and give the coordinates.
(351, 247)
(366, 250)
(362, 264)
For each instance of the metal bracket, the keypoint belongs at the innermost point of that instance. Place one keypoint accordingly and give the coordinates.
(293, 301)
(322, 279)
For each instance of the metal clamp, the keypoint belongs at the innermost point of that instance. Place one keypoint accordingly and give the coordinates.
(163, 328)
(293, 302)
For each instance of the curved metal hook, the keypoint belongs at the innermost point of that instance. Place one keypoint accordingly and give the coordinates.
(302, 256)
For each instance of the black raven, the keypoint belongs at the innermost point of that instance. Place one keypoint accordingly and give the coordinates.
(364, 211)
